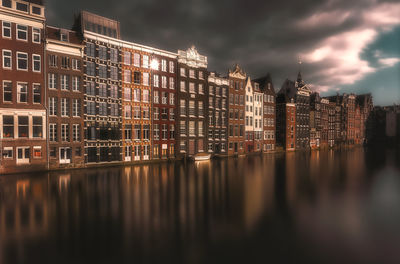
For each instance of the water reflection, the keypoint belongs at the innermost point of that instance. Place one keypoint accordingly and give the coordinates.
(207, 211)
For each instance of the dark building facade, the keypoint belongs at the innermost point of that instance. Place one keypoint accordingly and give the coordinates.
(23, 116)
(217, 115)
(300, 93)
(236, 128)
(164, 72)
(191, 98)
(64, 54)
(285, 123)
(102, 82)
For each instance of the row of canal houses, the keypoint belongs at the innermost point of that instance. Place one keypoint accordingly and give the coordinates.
(81, 97)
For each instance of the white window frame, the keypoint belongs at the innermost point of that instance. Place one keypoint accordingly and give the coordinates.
(75, 83)
(24, 160)
(4, 27)
(26, 32)
(171, 67)
(35, 34)
(35, 60)
(64, 159)
(27, 61)
(10, 57)
(18, 92)
(7, 149)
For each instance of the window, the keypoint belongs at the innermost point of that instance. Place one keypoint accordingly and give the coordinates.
(156, 113)
(136, 60)
(201, 109)
(7, 59)
(183, 86)
(75, 83)
(8, 126)
(127, 111)
(8, 153)
(201, 75)
(201, 88)
(90, 49)
(163, 81)
(113, 73)
(103, 109)
(53, 60)
(146, 78)
(103, 71)
(22, 93)
(76, 132)
(52, 106)
(146, 96)
(156, 97)
(200, 128)
(23, 127)
(36, 66)
(65, 132)
(183, 72)
(6, 29)
(37, 93)
(127, 94)
(114, 109)
(164, 113)
(182, 128)
(7, 3)
(53, 132)
(136, 77)
(102, 90)
(172, 99)
(37, 126)
(171, 83)
(64, 36)
(90, 69)
(23, 154)
(183, 107)
(136, 131)
(128, 132)
(114, 91)
(127, 76)
(136, 95)
(64, 62)
(127, 58)
(75, 64)
(90, 89)
(156, 80)
(64, 82)
(164, 132)
(192, 128)
(164, 97)
(192, 74)
(192, 109)
(76, 108)
(22, 7)
(64, 107)
(172, 131)
(103, 53)
(7, 91)
(36, 35)
(36, 10)
(114, 55)
(156, 133)
(91, 108)
(146, 113)
(22, 32)
(22, 61)
(145, 61)
(171, 114)
(191, 88)
(136, 112)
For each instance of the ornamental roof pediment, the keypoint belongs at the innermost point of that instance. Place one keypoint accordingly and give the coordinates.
(237, 72)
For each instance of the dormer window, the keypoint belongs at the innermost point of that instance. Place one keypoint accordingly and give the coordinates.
(36, 10)
(64, 36)
(7, 3)
(22, 7)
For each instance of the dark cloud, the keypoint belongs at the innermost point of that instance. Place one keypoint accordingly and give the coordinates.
(263, 36)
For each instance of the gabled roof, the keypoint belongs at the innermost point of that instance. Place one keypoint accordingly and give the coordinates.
(287, 92)
(266, 84)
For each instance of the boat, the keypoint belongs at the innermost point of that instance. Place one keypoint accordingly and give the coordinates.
(202, 157)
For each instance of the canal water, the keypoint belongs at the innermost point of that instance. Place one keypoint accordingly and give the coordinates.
(318, 207)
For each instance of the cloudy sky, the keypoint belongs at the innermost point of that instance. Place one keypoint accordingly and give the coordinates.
(344, 46)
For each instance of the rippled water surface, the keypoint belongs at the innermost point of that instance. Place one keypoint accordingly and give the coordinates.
(318, 207)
